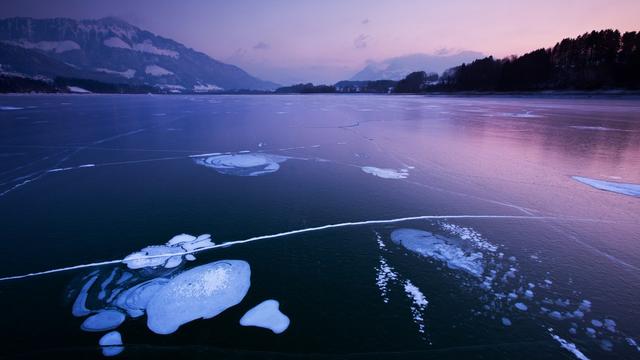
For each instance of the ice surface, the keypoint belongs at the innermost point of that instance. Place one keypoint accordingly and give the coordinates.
(266, 315)
(111, 344)
(620, 188)
(385, 173)
(248, 164)
(79, 307)
(440, 248)
(135, 299)
(103, 320)
(174, 249)
(199, 293)
(9, 108)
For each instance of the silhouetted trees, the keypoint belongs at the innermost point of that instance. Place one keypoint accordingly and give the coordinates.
(416, 82)
(596, 60)
(307, 88)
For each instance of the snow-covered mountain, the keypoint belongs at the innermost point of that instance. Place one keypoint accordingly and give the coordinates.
(115, 51)
(398, 67)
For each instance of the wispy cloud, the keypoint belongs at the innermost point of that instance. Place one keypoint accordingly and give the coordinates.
(360, 42)
(261, 46)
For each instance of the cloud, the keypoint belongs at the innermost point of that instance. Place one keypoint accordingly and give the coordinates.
(365, 22)
(261, 46)
(360, 42)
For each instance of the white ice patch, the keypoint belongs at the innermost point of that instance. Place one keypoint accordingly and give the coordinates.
(418, 306)
(448, 251)
(155, 70)
(469, 234)
(199, 293)
(111, 344)
(104, 320)
(385, 274)
(247, 164)
(266, 315)
(169, 255)
(135, 299)
(620, 188)
(386, 173)
(571, 347)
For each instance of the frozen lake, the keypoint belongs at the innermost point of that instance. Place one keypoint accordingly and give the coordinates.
(396, 227)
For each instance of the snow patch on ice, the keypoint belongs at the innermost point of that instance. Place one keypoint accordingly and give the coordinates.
(169, 255)
(571, 347)
(199, 293)
(266, 315)
(247, 164)
(448, 251)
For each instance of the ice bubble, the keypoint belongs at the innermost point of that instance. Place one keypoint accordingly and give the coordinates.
(469, 234)
(385, 173)
(606, 345)
(620, 188)
(596, 323)
(520, 306)
(111, 344)
(610, 325)
(247, 164)
(199, 293)
(528, 294)
(266, 315)
(506, 322)
(174, 249)
(555, 315)
(443, 249)
(104, 320)
(591, 332)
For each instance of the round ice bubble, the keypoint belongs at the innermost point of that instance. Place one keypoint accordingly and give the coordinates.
(199, 293)
(111, 344)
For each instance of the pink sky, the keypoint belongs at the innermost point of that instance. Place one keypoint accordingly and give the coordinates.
(328, 40)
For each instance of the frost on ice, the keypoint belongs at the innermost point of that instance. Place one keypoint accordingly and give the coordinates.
(266, 315)
(386, 173)
(620, 188)
(169, 255)
(453, 252)
(199, 293)
(246, 164)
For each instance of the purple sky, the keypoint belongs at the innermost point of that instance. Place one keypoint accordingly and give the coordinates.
(329, 40)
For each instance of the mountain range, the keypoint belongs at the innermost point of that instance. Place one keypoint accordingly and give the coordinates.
(111, 50)
(397, 68)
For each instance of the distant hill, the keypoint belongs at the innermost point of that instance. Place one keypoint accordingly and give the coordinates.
(113, 51)
(398, 67)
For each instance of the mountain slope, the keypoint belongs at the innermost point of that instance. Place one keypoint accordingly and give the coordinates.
(110, 49)
(398, 67)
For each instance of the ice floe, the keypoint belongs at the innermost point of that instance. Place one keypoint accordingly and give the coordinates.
(169, 255)
(266, 315)
(620, 188)
(246, 164)
(452, 252)
(111, 343)
(386, 173)
(199, 293)
(104, 320)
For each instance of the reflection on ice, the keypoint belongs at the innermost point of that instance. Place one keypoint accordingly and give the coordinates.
(620, 188)
(245, 164)
(266, 315)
